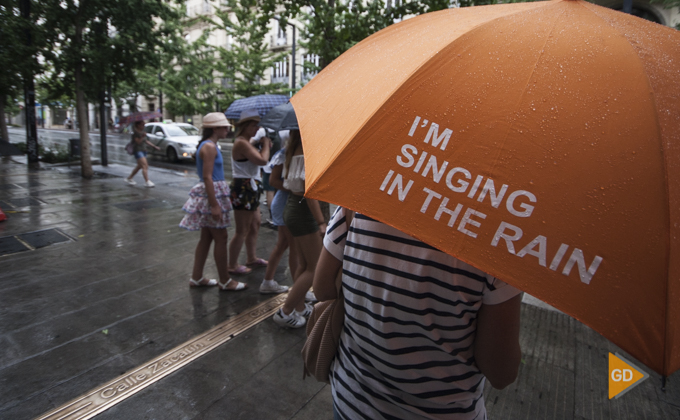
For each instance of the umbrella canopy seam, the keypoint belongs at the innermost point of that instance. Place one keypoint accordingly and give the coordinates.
(415, 70)
(652, 97)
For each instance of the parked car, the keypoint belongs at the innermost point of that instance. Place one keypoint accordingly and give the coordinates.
(177, 141)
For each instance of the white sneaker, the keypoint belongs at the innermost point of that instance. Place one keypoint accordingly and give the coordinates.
(130, 181)
(272, 288)
(311, 297)
(292, 320)
(149, 184)
(305, 312)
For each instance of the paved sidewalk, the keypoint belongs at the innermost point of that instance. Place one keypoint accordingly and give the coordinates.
(113, 295)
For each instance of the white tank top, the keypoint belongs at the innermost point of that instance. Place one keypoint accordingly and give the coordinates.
(294, 175)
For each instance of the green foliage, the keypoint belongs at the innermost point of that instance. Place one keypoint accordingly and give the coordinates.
(188, 81)
(59, 154)
(16, 58)
(246, 60)
(112, 40)
(332, 27)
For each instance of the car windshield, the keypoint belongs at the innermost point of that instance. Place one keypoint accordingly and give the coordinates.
(181, 130)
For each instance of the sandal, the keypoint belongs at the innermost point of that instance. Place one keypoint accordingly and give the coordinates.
(202, 282)
(239, 286)
(259, 262)
(241, 269)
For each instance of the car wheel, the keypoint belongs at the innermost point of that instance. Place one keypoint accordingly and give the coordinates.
(172, 155)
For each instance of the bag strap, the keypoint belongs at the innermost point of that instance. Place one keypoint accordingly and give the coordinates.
(349, 216)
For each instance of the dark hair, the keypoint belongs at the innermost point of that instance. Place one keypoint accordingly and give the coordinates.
(207, 133)
(293, 143)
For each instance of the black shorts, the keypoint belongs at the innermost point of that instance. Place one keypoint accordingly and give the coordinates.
(298, 217)
(243, 197)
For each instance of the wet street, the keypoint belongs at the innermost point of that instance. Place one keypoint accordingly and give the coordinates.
(97, 319)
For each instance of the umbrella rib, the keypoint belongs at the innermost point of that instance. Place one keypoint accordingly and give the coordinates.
(652, 98)
(526, 86)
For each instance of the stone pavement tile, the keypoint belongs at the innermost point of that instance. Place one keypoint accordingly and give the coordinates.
(69, 361)
(71, 292)
(320, 407)
(564, 375)
(279, 387)
(239, 379)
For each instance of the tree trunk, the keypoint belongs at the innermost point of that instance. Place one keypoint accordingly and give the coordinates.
(3, 123)
(81, 110)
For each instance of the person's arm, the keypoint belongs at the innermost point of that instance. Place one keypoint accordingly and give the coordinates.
(276, 178)
(208, 154)
(243, 149)
(324, 276)
(151, 144)
(315, 208)
(497, 351)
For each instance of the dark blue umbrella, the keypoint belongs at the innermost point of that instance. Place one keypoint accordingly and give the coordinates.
(262, 103)
(281, 117)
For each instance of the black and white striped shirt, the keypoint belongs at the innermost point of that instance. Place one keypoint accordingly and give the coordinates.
(406, 351)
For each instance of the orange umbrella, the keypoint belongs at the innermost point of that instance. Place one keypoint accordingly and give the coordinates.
(539, 142)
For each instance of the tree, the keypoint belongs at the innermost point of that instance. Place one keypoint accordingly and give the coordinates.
(332, 27)
(16, 58)
(188, 81)
(97, 43)
(244, 62)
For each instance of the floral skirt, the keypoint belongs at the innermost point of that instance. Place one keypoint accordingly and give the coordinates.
(197, 208)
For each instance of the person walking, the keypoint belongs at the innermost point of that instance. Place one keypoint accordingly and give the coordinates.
(307, 223)
(208, 206)
(423, 330)
(246, 188)
(284, 239)
(140, 142)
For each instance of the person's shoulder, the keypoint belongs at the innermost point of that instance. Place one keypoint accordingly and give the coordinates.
(208, 146)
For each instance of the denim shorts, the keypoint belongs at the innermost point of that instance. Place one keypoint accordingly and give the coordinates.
(139, 155)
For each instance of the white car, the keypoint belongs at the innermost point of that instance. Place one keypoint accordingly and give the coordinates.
(178, 141)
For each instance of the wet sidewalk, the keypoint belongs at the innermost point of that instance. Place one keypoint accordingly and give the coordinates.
(94, 285)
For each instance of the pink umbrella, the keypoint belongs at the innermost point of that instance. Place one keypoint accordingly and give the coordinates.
(139, 116)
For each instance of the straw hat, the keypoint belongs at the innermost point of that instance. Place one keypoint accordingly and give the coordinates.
(248, 115)
(215, 119)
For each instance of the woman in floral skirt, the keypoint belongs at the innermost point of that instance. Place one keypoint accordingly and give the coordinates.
(208, 206)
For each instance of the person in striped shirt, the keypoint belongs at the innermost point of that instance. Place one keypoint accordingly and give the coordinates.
(423, 330)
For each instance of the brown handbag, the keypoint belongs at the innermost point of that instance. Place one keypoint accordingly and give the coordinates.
(323, 330)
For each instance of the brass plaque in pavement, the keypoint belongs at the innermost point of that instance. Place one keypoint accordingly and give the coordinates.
(128, 384)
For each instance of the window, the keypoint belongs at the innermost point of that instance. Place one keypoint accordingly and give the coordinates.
(280, 71)
(310, 66)
(148, 128)
(158, 131)
(152, 107)
(281, 36)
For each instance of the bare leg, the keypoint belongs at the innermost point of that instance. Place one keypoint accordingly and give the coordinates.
(277, 253)
(135, 170)
(145, 168)
(201, 254)
(310, 249)
(270, 200)
(293, 253)
(251, 236)
(220, 237)
(242, 219)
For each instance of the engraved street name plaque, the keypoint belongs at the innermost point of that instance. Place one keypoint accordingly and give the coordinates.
(128, 384)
